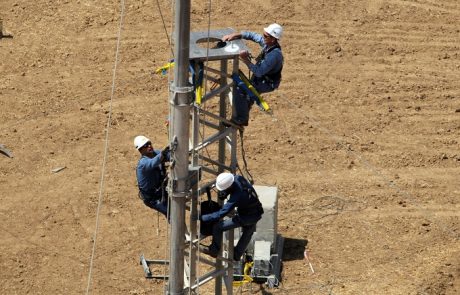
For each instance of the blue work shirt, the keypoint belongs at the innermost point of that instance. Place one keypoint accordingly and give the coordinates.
(242, 200)
(273, 60)
(150, 175)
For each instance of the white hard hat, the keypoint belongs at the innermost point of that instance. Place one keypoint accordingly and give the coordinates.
(139, 141)
(224, 181)
(274, 30)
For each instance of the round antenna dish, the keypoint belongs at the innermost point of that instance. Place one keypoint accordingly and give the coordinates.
(213, 43)
(232, 48)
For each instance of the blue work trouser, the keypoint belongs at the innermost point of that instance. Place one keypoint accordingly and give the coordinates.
(248, 229)
(158, 204)
(242, 103)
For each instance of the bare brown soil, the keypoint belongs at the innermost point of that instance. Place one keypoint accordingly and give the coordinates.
(363, 145)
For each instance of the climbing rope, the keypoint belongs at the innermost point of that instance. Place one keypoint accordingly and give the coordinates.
(106, 145)
(168, 228)
(164, 27)
(167, 254)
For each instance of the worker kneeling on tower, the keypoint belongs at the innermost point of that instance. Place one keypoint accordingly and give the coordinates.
(243, 197)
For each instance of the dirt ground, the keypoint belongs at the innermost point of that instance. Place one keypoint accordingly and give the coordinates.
(363, 145)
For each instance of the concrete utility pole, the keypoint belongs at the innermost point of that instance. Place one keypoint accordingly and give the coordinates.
(179, 140)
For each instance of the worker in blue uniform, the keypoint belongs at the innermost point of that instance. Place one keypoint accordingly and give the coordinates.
(266, 72)
(151, 174)
(244, 198)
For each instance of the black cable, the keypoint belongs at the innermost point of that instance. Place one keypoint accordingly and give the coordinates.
(243, 154)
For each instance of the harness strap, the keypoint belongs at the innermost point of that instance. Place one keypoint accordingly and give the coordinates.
(271, 78)
(243, 83)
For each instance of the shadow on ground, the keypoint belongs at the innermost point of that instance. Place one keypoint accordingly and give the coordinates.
(293, 249)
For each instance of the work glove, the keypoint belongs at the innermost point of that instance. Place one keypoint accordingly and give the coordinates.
(165, 153)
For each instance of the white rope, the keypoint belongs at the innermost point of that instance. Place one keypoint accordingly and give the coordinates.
(164, 27)
(166, 249)
(106, 144)
(169, 120)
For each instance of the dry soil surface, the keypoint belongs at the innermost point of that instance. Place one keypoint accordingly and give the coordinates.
(363, 145)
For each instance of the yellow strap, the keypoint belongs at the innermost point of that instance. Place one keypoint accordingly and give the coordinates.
(246, 278)
(164, 68)
(199, 89)
(198, 94)
(263, 103)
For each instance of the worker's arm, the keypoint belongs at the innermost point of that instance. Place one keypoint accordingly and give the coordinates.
(258, 38)
(151, 163)
(227, 208)
(232, 36)
(245, 35)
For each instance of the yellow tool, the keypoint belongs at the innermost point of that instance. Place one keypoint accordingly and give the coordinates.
(246, 278)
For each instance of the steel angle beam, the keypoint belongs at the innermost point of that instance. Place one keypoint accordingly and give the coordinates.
(203, 259)
(212, 79)
(216, 117)
(208, 277)
(210, 171)
(216, 91)
(213, 138)
(146, 266)
(213, 162)
(186, 274)
(218, 72)
(209, 124)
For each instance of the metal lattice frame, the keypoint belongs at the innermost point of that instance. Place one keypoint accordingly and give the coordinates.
(224, 137)
(203, 168)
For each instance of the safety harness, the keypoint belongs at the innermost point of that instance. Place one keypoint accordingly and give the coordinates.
(255, 204)
(242, 82)
(271, 79)
(160, 191)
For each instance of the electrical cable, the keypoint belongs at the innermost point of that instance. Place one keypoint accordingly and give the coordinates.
(106, 145)
(245, 164)
(164, 27)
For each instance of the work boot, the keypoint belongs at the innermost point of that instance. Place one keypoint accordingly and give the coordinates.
(209, 251)
(239, 123)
